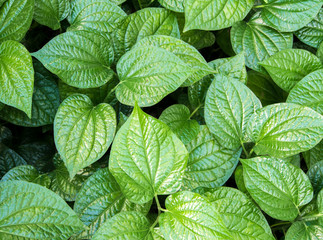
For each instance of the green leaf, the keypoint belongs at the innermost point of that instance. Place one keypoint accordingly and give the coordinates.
(124, 225)
(9, 159)
(300, 231)
(199, 39)
(289, 16)
(24, 173)
(213, 14)
(314, 155)
(309, 91)
(285, 129)
(258, 41)
(184, 51)
(265, 88)
(51, 12)
(45, 102)
(17, 76)
(148, 74)
(15, 19)
(83, 132)
(99, 199)
(315, 174)
(232, 67)
(100, 15)
(191, 216)
(173, 5)
(209, 164)
(147, 158)
(238, 177)
(177, 117)
(61, 184)
(319, 53)
(289, 66)
(312, 33)
(278, 187)
(197, 92)
(35, 213)
(222, 38)
(80, 59)
(229, 104)
(146, 22)
(241, 217)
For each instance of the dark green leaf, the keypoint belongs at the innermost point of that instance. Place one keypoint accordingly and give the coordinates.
(315, 174)
(314, 155)
(9, 159)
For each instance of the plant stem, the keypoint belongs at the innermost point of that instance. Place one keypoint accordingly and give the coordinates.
(279, 224)
(259, 6)
(244, 150)
(158, 204)
(195, 110)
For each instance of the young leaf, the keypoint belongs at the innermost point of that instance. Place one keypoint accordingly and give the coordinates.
(15, 19)
(241, 217)
(229, 104)
(147, 158)
(309, 91)
(258, 41)
(278, 187)
(35, 213)
(300, 231)
(265, 88)
(191, 216)
(45, 102)
(313, 155)
(83, 132)
(173, 5)
(9, 159)
(80, 59)
(184, 51)
(284, 129)
(51, 12)
(99, 15)
(312, 33)
(315, 174)
(124, 225)
(99, 199)
(17, 76)
(177, 117)
(146, 22)
(238, 177)
(290, 15)
(214, 15)
(289, 66)
(147, 74)
(209, 164)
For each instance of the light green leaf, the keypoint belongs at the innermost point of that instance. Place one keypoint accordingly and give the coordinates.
(300, 231)
(148, 74)
(99, 15)
(258, 41)
(83, 132)
(191, 216)
(147, 158)
(265, 88)
(309, 91)
(314, 155)
(145, 22)
(9, 159)
(184, 51)
(80, 59)
(51, 12)
(319, 52)
(285, 129)
(289, 66)
(24, 173)
(229, 104)
(232, 67)
(173, 5)
(17, 76)
(124, 225)
(241, 217)
(45, 102)
(278, 187)
(177, 117)
(290, 15)
(315, 174)
(312, 33)
(15, 19)
(214, 14)
(34, 213)
(209, 164)
(99, 199)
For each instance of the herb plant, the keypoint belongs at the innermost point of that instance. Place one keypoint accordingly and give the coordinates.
(161, 119)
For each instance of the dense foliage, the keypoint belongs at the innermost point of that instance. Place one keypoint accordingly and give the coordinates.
(161, 119)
